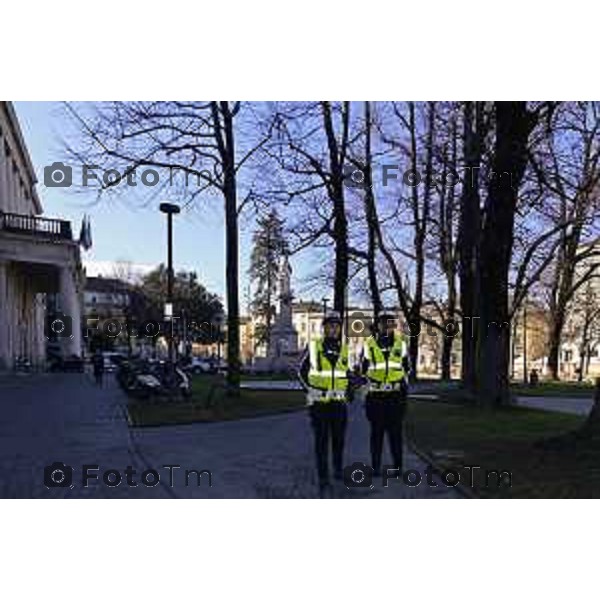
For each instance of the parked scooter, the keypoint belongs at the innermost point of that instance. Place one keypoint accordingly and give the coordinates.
(22, 364)
(146, 380)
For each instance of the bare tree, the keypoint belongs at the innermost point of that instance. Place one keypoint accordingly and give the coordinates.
(588, 313)
(514, 123)
(197, 139)
(312, 148)
(568, 168)
(414, 146)
(443, 246)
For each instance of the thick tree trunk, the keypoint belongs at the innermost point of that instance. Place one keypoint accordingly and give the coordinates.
(514, 124)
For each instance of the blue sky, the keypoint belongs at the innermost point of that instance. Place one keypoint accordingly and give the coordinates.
(121, 228)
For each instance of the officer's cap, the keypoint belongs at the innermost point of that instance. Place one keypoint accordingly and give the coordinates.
(387, 316)
(332, 316)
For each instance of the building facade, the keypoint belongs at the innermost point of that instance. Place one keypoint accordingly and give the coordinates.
(579, 357)
(38, 257)
(106, 301)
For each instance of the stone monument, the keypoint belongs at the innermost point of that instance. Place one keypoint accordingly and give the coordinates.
(283, 352)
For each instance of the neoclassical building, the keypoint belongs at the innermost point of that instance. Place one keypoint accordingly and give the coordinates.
(38, 257)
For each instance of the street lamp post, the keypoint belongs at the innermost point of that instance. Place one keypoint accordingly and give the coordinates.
(170, 210)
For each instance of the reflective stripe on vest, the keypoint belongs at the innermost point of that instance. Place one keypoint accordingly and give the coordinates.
(320, 374)
(377, 366)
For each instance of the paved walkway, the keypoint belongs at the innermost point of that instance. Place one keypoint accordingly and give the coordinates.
(576, 406)
(65, 418)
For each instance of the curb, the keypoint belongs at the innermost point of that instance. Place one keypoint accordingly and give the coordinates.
(280, 412)
(438, 469)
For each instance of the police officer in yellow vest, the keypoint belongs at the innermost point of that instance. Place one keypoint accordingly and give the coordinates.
(324, 375)
(386, 366)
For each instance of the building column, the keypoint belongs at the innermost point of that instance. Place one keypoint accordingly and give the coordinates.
(70, 306)
(4, 319)
(3, 177)
(40, 340)
(13, 188)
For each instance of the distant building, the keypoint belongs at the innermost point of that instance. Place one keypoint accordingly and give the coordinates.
(105, 304)
(580, 348)
(38, 258)
(105, 297)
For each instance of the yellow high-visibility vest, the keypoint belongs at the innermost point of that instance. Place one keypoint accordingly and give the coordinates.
(381, 372)
(323, 375)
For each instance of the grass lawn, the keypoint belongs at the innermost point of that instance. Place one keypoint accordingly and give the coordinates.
(572, 389)
(269, 377)
(209, 403)
(505, 439)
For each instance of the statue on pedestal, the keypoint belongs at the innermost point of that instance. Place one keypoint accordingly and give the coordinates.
(283, 349)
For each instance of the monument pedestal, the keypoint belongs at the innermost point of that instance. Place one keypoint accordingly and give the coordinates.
(283, 353)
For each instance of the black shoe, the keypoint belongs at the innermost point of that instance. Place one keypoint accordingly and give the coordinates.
(324, 487)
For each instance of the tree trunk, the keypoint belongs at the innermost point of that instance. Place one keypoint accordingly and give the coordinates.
(371, 216)
(232, 284)
(231, 251)
(556, 327)
(421, 222)
(447, 357)
(336, 192)
(514, 124)
(562, 291)
(468, 240)
(448, 252)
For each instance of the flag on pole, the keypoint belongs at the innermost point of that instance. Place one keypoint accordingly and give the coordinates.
(85, 235)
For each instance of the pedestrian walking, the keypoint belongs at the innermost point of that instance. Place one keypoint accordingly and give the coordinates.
(98, 366)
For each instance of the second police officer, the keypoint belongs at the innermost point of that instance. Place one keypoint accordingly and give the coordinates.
(385, 363)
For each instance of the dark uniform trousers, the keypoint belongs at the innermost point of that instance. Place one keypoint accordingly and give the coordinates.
(329, 420)
(385, 412)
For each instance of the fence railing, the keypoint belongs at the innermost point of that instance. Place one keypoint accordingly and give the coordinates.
(35, 226)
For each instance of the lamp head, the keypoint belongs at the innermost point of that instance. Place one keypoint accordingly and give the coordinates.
(168, 208)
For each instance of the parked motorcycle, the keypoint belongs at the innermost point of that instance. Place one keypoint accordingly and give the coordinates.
(146, 380)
